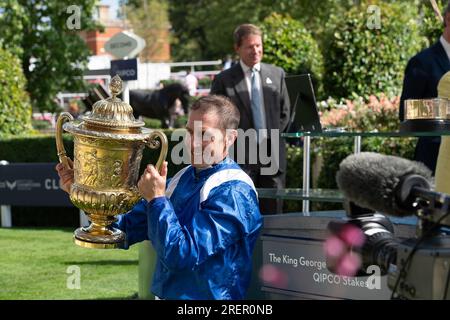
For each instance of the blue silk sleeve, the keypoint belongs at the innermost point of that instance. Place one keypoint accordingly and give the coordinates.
(134, 223)
(230, 212)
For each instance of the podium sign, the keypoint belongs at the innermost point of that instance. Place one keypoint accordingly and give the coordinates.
(301, 269)
(125, 69)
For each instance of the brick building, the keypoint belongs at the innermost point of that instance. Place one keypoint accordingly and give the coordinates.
(96, 40)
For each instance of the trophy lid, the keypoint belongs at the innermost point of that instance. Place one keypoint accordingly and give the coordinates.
(112, 113)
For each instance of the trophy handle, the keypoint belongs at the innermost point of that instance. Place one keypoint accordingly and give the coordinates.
(153, 143)
(63, 117)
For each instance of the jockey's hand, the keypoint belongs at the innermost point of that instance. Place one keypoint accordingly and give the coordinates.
(152, 184)
(65, 175)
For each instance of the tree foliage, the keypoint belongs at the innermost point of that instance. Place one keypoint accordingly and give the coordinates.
(288, 44)
(368, 47)
(150, 21)
(52, 53)
(432, 27)
(203, 29)
(15, 108)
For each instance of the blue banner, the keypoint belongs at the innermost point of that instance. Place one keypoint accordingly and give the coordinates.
(31, 185)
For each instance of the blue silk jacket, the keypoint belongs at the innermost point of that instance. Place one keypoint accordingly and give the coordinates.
(204, 231)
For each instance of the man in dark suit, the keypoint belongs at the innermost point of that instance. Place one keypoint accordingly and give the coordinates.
(422, 76)
(259, 91)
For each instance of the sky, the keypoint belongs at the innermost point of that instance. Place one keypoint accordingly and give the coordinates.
(114, 5)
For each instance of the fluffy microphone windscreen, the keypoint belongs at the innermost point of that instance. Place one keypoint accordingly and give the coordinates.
(369, 179)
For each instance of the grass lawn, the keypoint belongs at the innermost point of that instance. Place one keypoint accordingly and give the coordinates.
(37, 264)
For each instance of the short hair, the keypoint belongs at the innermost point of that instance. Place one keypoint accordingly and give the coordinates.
(244, 30)
(228, 114)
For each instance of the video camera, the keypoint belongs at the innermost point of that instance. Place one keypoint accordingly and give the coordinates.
(374, 185)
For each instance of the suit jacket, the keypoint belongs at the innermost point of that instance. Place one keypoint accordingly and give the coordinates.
(231, 83)
(422, 76)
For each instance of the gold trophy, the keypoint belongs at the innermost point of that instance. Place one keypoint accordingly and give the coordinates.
(426, 115)
(108, 147)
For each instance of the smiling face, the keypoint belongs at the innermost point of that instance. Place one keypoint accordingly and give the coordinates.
(205, 140)
(250, 50)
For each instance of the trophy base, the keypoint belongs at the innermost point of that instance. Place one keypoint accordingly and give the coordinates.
(425, 125)
(96, 237)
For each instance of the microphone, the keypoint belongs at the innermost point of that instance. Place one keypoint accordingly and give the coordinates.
(382, 183)
(375, 182)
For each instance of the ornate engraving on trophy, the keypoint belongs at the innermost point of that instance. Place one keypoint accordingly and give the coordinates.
(116, 178)
(90, 172)
(98, 170)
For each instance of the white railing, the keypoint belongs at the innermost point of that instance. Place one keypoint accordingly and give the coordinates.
(195, 63)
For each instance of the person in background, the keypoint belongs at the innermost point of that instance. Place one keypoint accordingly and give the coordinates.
(191, 83)
(74, 109)
(422, 75)
(259, 91)
(228, 63)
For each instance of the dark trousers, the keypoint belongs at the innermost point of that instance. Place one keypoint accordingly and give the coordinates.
(427, 151)
(278, 181)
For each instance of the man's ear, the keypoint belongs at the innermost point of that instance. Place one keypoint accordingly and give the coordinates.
(236, 48)
(230, 137)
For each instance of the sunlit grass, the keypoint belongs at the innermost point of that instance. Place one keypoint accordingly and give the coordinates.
(34, 265)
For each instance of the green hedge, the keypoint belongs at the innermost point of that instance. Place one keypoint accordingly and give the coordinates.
(363, 57)
(42, 148)
(289, 45)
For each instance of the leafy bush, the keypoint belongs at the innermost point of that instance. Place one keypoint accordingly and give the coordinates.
(431, 26)
(204, 83)
(170, 81)
(15, 108)
(152, 123)
(289, 45)
(365, 55)
(181, 121)
(294, 176)
(360, 115)
(41, 124)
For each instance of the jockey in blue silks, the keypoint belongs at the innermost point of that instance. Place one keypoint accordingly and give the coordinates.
(204, 223)
(204, 231)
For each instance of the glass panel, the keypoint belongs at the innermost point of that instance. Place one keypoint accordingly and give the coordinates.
(323, 195)
(337, 134)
